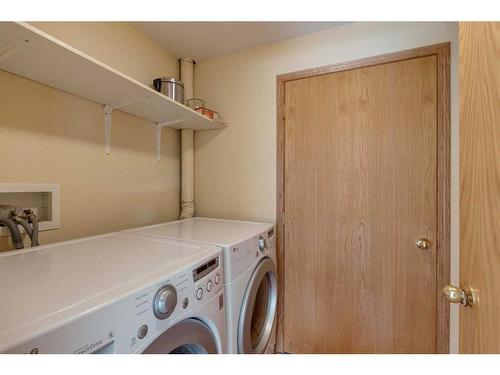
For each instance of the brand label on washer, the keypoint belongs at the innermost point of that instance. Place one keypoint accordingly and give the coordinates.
(87, 348)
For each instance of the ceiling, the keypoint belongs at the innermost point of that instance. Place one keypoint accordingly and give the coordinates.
(203, 40)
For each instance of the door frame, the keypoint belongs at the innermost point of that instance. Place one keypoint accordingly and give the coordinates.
(442, 52)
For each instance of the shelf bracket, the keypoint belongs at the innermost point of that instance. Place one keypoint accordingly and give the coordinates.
(158, 141)
(158, 127)
(107, 128)
(108, 111)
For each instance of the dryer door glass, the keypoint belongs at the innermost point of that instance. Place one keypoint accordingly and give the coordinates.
(190, 336)
(258, 309)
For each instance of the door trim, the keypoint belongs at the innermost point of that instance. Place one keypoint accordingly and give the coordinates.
(442, 52)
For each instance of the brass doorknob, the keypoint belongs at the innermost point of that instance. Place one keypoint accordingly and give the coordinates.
(468, 297)
(423, 243)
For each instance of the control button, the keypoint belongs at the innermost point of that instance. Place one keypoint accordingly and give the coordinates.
(209, 285)
(199, 293)
(262, 243)
(185, 303)
(217, 279)
(142, 332)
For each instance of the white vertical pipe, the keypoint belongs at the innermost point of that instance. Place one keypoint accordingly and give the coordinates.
(187, 146)
(187, 77)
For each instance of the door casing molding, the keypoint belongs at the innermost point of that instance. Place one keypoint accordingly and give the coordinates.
(442, 52)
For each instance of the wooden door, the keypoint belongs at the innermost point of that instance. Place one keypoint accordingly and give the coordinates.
(361, 187)
(480, 184)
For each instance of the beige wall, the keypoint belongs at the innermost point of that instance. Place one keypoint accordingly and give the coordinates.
(52, 137)
(235, 168)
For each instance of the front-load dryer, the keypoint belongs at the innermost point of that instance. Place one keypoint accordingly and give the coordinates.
(116, 293)
(249, 253)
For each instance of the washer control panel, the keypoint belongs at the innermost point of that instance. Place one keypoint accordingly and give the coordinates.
(207, 278)
(168, 298)
(205, 269)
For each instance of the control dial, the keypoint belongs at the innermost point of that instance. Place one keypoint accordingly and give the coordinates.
(262, 243)
(165, 302)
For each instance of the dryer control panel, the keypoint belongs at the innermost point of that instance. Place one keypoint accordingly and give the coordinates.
(243, 256)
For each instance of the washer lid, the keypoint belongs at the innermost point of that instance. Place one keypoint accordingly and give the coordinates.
(53, 280)
(214, 231)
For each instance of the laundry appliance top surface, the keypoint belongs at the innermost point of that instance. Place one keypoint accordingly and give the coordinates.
(205, 230)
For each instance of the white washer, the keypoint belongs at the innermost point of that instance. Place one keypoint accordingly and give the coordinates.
(117, 293)
(249, 252)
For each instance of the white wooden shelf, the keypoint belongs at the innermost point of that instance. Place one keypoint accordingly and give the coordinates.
(33, 54)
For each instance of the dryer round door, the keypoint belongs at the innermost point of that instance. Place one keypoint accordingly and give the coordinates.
(258, 310)
(191, 336)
